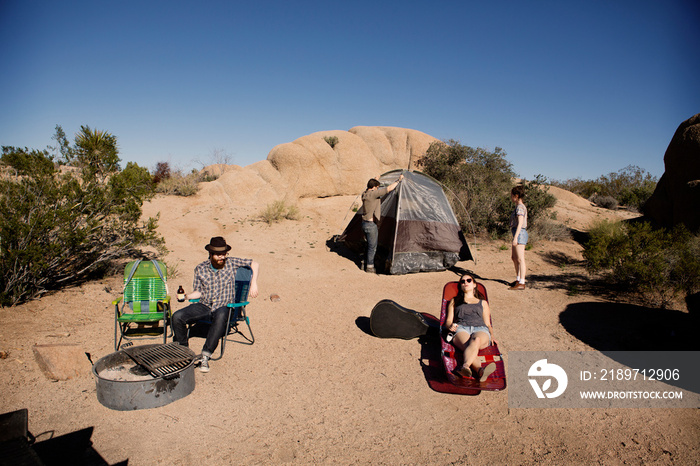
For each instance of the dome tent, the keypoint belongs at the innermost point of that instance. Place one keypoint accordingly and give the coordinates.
(418, 231)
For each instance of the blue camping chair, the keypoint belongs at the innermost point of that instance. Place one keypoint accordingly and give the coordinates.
(237, 314)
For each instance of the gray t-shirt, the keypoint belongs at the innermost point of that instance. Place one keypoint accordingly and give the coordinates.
(470, 314)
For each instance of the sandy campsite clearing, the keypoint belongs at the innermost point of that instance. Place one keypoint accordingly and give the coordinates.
(316, 387)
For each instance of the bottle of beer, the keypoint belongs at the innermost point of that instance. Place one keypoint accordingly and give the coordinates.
(181, 294)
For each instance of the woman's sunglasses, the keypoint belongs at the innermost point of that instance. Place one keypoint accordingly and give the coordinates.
(466, 280)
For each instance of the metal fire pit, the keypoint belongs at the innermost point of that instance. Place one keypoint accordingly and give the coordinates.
(147, 376)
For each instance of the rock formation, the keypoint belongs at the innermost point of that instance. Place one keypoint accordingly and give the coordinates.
(676, 198)
(310, 167)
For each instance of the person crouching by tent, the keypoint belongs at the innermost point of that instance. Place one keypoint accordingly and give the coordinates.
(371, 214)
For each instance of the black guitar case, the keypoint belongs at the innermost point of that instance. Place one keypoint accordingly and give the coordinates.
(391, 320)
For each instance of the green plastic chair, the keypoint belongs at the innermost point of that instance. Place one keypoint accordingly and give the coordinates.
(145, 300)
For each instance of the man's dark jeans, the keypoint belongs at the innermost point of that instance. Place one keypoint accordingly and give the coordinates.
(195, 312)
(371, 233)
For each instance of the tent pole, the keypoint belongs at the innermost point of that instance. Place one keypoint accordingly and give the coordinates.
(349, 209)
(398, 209)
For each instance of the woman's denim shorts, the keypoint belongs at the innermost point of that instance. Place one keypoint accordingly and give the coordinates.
(470, 329)
(522, 237)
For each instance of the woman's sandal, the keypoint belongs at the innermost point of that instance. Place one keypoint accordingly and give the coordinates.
(464, 371)
(484, 372)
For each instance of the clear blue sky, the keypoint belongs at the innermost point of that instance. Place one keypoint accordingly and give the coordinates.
(568, 89)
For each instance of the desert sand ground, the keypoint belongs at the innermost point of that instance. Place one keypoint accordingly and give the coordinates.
(316, 387)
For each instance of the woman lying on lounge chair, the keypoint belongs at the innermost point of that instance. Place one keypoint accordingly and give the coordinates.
(469, 317)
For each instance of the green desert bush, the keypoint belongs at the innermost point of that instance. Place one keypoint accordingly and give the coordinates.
(279, 210)
(57, 227)
(331, 140)
(538, 201)
(481, 181)
(656, 264)
(631, 186)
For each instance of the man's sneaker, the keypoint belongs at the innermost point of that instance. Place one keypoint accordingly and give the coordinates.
(370, 269)
(204, 365)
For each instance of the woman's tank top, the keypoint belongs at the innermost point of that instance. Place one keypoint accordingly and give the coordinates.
(470, 314)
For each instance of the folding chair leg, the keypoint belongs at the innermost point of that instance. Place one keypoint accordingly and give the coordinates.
(165, 326)
(223, 347)
(250, 330)
(122, 330)
(116, 328)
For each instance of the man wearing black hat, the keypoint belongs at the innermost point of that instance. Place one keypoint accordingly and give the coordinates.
(214, 287)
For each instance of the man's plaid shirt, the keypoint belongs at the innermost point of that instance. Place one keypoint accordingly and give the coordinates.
(217, 286)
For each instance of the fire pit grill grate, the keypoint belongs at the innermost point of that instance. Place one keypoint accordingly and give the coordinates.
(161, 360)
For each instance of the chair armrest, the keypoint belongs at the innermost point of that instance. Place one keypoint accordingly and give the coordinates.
(116, 301)
(194, 300)
(245, 303)
(166, 299)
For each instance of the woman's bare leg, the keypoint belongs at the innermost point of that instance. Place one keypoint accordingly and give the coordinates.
(478, 341)
(521, 268)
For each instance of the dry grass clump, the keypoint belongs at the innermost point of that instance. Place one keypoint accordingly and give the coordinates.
(182, 185)
(279, 210)
(548, 230)
(179, 185)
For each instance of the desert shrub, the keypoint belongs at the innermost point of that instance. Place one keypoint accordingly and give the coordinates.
(631, 186)
(584, 188)
(481, 181)
(58, 228)
(279, 210)
(207, 177)
(635, 197)
(162, 172)
(27, 162)
(546, 229)
(606, 202)
(180, 185)
(656, 264)
(331, 140)
(479, 178)
(537, 199)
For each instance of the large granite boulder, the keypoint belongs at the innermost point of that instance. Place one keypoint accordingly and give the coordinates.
(676, 198)
(311, 167)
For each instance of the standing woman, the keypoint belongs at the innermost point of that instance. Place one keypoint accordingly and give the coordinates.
(518, 227)
(469, 316)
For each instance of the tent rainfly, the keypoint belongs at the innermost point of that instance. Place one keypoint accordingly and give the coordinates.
(418, 231)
